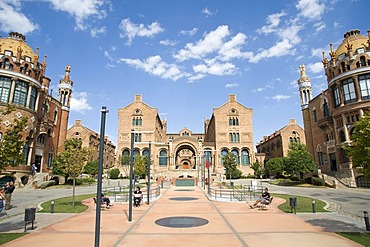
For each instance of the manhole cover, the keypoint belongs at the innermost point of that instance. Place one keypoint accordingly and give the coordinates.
(181, 222)
(183, 198)
(185, 190)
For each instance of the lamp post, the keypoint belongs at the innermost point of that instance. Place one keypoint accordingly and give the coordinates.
(149, 161)
(131, 171)
(104, 111)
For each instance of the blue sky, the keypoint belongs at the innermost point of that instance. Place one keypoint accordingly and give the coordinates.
(185, 57)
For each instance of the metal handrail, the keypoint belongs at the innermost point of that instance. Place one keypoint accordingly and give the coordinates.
(121, 193)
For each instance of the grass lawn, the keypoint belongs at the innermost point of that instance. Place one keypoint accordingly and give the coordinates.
(359, 237)
(7, 237)
(304, 204)
(64, 205)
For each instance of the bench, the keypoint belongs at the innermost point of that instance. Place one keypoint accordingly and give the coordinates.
(265, 204)
(103, 205)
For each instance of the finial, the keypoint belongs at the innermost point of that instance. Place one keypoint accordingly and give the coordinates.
(68, 70)
(348, 44)
(324, 60)
(302, 68)
(368, 37)
(332, 52)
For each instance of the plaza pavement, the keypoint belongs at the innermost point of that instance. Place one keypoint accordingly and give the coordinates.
(225, 224)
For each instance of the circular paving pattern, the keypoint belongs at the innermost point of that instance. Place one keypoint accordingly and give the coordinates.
(181, 222)
(183, 198)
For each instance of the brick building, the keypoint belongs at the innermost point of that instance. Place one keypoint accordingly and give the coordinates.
(24, 84)
(329, 117)
(277, 144)
(91, 140)
(184, 153)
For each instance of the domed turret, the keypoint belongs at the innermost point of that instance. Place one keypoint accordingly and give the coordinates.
(350, 55)
(14, 43)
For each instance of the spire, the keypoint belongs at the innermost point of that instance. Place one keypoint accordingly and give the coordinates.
(19, 51)
(67, 71)
(36, 57)
(305, 89)
(44, 64)
(332, 55)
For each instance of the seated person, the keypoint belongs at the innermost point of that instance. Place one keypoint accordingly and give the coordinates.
(264, 198)
(138, 196)
(106, 200)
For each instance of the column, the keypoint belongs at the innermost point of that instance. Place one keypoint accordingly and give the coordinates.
(357, 88)
(346, 134)
(28, 96)
(12, 89)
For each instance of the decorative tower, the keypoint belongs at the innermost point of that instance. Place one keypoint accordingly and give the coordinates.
(305, 91)
(64, 97)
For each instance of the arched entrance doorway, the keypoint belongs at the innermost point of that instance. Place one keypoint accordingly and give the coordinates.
(185, 157)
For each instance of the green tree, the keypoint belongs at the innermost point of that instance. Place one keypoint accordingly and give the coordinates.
(140, 166)
(359, 150)
(114, 173)
(12, 143)
(91, 167)
(298, 160)
(70, 162)
(275, 166)
(229, 162)
(258, 169)
(125, 163)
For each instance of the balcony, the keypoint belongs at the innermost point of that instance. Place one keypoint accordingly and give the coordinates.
(325, 121)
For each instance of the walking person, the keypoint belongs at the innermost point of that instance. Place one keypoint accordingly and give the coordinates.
(9, 188)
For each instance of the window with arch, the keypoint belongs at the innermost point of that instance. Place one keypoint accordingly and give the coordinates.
(136, 152)
(325, 108)
(20, 93)
(33, 98)
(223, 153)
(295, 137)
(342, 136)
(5, 85)
(208, 155)
(320, 158)
(234, 137)
(245, 159)
(137, 137)
(137, 121)
(364, 82)
(125, 157)
(163, 158)
(41, 138)
(7, 64)
(348, 89)
(233, 121)
(235, 152)
(336, 96)
(145, 153)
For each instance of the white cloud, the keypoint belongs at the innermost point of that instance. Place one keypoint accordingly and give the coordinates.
(79, 102)
(273, 21)
(95, 32)
(207, 12)
(189, 32)
(231, 85)
(168, 42)
(196, 77)
(80, 10)
(211, 42)
(281, 48)
(131, 30)
(311, 9)
(319, 26)
(12, 19)
(315, 67)
(281, 97)
(155, 66)
(232, 48)
(214, 67)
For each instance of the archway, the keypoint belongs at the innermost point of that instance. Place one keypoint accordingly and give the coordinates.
(185, 157)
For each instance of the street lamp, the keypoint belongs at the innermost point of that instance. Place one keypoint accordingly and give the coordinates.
(104, 111)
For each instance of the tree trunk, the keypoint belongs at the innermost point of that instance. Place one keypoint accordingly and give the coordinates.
(73, 193)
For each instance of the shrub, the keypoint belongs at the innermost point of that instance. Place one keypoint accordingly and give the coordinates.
(80, 181)
(114, 173)
(308, 180)
(295, 178)
(318, 181)
(45, 184)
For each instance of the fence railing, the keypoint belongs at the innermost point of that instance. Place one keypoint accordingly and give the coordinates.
(245, 193)
(121, 193)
